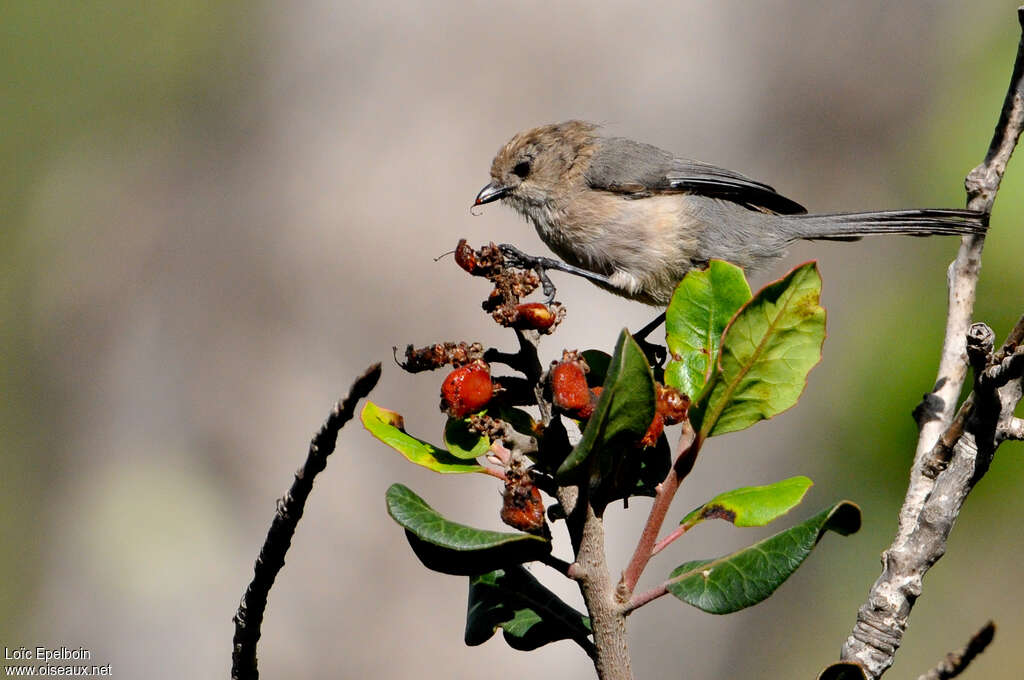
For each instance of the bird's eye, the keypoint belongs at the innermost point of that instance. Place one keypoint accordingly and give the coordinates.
(522, 169)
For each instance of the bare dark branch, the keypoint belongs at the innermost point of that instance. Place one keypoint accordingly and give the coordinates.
(249, 617)
(956, 663)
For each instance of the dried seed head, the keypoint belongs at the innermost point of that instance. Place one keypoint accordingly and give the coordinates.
(441, 354)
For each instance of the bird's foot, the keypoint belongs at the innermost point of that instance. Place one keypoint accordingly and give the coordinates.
(520, 260)
(542, 265)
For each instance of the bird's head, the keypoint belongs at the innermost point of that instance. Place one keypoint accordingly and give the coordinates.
(535, 166)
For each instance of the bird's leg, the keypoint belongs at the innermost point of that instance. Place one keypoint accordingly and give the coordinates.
(646, 330)
(654, 352)
(541, 265)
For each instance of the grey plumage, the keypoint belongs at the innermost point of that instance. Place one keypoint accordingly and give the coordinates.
(637, 218)
(638, 170)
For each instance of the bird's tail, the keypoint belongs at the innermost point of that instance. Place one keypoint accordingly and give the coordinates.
(852, 226)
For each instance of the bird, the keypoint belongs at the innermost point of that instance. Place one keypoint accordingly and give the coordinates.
(634, 219)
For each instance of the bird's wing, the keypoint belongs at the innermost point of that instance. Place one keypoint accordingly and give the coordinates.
(638, 170)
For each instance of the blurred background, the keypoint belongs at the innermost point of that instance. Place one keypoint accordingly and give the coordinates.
(215, 215)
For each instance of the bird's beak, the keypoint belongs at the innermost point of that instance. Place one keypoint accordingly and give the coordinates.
(491, 192)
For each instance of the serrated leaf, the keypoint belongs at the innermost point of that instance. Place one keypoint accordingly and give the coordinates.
(462, 442)
(453, 548)
(625, 407)
(696, 317)
(752, 506)
(529, 614)
(744, 578)
(387, 426)
(767, 351)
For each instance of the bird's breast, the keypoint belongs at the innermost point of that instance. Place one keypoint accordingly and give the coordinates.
(606, 232)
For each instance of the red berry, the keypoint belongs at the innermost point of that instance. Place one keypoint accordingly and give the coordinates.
(467, 389)
(535, 316)
(670, 407)
(465, 256)
(671, 404)
(654, 431)
(569, 391)
(523, 507)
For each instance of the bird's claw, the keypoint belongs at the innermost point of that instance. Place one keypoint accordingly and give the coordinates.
(520, 260)
(517, 258)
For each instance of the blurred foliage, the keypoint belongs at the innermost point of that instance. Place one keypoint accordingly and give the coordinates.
(72, 71)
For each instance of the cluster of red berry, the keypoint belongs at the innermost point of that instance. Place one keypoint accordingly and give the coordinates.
(469, 388)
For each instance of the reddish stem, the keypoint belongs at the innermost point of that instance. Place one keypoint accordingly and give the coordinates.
(494, 472)
(663, 495)
(665, 542)
(643, 598)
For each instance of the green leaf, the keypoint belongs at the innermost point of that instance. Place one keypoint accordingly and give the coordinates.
(452, 548)
(597, 362)
(637, 473)
(752, 506)
(744, 578)
(387, 426)
(530, 614)
(843, 671)
(625, 408)
(696, 317)
(521, 421)
(767, 351)
(462, 442)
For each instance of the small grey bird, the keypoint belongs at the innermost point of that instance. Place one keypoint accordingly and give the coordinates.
(634, 219)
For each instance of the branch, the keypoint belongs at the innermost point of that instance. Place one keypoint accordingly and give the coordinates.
(960, 458)
(933, 501)
(590, 570)
(1014, 429)
(640, 599)
(249, 616)
(982, 184)
(610, 650)
(956, 663)
(664, 493)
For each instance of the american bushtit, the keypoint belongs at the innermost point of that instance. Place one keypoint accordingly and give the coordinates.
(634, 219)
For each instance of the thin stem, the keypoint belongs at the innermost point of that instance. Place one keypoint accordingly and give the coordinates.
(663, 494)
(957, 662)
(640, 599)
(667, 541)
(561, 566)
(495, 472)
